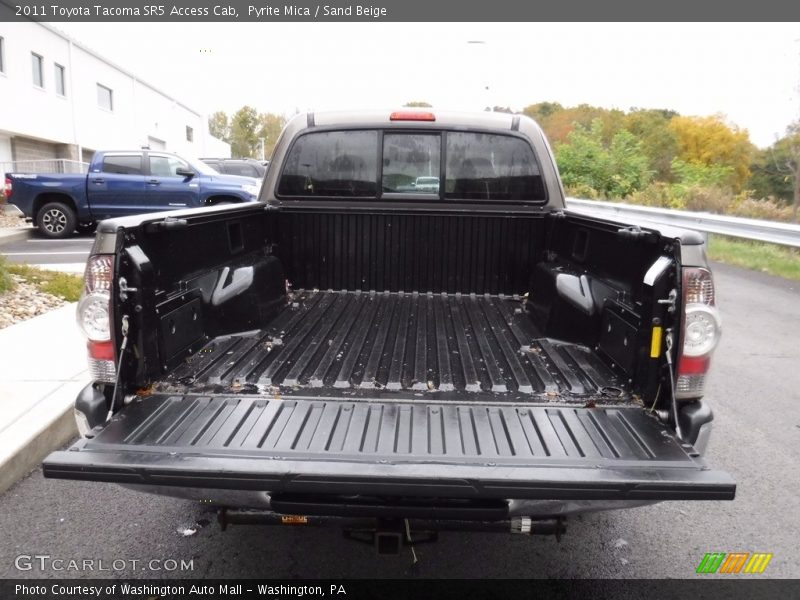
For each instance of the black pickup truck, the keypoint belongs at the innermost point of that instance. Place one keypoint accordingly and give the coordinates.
(409, 333)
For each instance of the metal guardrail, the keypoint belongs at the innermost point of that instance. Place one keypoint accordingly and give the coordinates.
(47, 165)
(785, 234)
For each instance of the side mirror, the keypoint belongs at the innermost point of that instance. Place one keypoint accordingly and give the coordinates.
(183, 172)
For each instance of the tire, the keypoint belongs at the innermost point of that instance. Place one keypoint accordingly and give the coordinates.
(56, 220)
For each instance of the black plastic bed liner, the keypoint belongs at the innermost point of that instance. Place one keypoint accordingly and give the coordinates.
(350, 343)
(392, 448)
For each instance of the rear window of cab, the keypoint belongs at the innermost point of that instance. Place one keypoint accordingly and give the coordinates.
(423, 165)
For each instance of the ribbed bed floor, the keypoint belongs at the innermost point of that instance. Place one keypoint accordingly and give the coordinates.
(349, 343)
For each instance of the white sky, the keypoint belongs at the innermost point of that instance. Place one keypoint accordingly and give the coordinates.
(748, 71)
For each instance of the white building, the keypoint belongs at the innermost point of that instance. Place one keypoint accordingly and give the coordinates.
(62, 100)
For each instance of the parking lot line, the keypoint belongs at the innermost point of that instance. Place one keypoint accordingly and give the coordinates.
(81, 240)
(44, 253)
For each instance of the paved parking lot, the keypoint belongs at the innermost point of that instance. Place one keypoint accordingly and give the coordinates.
(64, 255)
(756, 396)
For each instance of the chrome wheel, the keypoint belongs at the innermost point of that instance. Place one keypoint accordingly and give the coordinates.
(54, 221)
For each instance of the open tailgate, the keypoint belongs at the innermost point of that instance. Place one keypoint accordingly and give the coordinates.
(393, 448)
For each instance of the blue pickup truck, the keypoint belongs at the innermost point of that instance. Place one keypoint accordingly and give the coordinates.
(122, 183)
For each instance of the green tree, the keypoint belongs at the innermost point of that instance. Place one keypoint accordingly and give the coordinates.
(776, 170)
(629, 165)
(770, 178)
(659, 141)
(791, 144)
(244, 133)
(219, 127)
(270, 127)
(542, 110)
(558, 122)
(590, 166)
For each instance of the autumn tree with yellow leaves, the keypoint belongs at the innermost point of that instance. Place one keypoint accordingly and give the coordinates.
(713, 143)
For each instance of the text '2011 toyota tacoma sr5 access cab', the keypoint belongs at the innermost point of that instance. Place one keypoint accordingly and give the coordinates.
(399, 359)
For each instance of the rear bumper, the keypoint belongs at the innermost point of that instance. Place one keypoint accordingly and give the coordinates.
(263, 501)
(696, 420)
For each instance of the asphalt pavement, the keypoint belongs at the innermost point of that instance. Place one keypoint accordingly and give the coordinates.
(65, 255)
(755, 390)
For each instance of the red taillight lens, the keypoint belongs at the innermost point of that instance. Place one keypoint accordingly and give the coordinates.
(100, 350)
(8, 188)
(701, 332)
(94, 317)
(690, 365)
(412, 115)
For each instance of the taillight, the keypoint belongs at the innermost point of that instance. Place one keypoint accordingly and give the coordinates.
(8, 188)
(94, 317)
(99, 273)
(102, 366)
(701, 332)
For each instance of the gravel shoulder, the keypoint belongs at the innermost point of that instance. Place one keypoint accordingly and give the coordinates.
(10, 221)
(25, 301)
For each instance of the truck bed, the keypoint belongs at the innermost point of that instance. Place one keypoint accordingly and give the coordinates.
(389, 395)
(400, 346)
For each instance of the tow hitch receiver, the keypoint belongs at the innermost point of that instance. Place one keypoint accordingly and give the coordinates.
(390, 535)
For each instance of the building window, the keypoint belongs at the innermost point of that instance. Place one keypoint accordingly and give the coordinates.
(189, 134)
(61, 84)
(2, 55)
(37, 64)
(105, 97)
